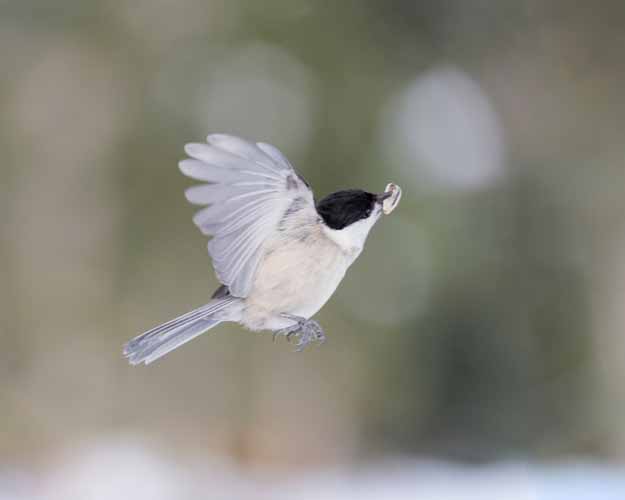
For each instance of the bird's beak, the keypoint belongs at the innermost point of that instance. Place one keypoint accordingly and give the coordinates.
(383, 196)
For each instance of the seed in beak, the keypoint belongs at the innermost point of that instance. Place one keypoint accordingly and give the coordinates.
(392, 194)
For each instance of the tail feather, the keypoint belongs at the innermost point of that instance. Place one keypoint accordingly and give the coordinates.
(164, 338)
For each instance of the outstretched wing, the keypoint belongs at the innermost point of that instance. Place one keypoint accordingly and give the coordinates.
(249, 187)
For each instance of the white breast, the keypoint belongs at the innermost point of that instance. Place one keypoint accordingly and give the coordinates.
(296, 276)
(300, 270)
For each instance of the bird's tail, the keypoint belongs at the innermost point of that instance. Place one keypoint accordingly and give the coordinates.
(164, 338)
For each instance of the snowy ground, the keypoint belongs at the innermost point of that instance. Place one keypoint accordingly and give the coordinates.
(128, 470)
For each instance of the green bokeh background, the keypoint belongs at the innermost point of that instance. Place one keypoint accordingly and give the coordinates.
(482, 322)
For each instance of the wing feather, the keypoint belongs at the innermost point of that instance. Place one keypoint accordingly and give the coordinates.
(243, 149)
(275, 154)
(249, 188)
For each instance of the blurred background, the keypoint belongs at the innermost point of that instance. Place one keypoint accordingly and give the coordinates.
(476, 349)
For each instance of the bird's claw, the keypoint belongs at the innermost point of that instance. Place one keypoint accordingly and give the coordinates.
(307, 331)
(311, 332)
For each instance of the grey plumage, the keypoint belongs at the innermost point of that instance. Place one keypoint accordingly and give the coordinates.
(164, 338)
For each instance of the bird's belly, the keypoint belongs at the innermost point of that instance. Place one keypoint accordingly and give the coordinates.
(298, 286)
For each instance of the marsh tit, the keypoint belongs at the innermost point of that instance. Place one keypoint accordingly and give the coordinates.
(278, 254)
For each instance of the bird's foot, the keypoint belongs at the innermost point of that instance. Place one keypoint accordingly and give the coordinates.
(306, 330)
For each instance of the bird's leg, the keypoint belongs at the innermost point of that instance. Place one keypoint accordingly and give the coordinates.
(308, 330)
(288, 332)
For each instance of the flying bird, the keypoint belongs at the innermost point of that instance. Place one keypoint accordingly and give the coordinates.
(279, 255)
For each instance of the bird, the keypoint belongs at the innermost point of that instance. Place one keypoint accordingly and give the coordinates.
(278, 254)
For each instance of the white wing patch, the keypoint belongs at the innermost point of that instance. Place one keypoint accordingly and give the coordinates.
(250, 188)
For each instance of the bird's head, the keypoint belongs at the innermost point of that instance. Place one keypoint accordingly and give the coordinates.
(344, 208)
(353, 212)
